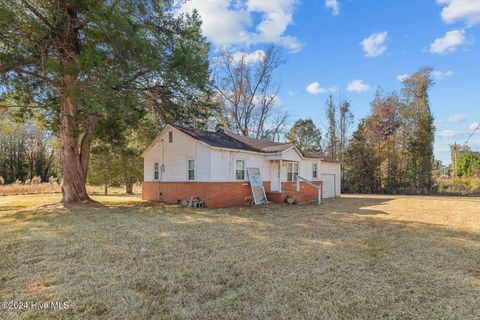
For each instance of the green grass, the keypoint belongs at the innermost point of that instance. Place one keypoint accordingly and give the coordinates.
(357, 257)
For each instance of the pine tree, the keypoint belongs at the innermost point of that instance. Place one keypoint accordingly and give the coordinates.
(331, 134)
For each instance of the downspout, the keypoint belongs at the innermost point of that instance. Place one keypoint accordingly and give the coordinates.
(280, 175)
(162, 167)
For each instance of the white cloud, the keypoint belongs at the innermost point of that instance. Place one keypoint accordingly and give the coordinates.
(473, 126)
(375, 45)
(450, 134)
(315, 88)
(230, 22)
(439, 75)
(449, 42)
(403, 77)
(358, 86)
(460, 133)
(456, 118)
(460, 10)
(249, 57)
(334, 5)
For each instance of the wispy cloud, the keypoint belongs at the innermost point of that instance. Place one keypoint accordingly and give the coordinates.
(450, 134)
(460, 133)
(402, 77)
(439, 75)
(358, 86)
(375, 45)
(473, 126)
(449, 42)
(334, 5)
(456, 118)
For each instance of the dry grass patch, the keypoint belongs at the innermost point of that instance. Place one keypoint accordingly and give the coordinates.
(359, 257)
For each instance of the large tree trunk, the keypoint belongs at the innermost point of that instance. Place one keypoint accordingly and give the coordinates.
(75, 150)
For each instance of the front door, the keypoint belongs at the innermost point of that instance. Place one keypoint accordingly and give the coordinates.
(275, 174)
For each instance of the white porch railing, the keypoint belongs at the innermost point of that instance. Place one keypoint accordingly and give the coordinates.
(319, 187)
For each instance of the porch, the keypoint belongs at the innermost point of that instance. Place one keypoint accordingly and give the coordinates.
(303, 192)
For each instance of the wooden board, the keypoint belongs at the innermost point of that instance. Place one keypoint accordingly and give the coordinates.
(256, 182)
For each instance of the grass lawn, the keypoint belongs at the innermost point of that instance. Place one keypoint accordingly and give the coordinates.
(357, 257)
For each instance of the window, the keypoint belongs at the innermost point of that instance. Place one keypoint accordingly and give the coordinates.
(292, 171)
(170, 137)
(315, 170)
(240, 169)
(191, 169)
(155, 171)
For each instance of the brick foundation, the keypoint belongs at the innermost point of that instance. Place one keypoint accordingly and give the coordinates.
(307, 192)
(214, 194)
(221, 194)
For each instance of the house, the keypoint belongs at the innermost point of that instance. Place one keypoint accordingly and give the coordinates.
(185, 162)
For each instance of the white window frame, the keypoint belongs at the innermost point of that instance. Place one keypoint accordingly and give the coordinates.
(188, 169)
(244, 170)
(315, 170)
(292, 171)
(156, 171)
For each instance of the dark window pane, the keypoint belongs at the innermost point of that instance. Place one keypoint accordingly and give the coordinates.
(240, 174)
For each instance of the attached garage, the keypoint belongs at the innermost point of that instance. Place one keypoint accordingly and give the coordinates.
(330, 173)
(328, 185)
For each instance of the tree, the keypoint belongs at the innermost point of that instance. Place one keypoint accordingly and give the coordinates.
(27, 150)
(247, 93)
(118, 161)
(345, 121)
(331, 134)
(468, 163)
(383, 126)
(90, 64)
(361, 163)
(420, 144)
(305, 135)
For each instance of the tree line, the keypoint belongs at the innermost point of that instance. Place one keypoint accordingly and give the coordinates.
(392, 149)
(27, 151)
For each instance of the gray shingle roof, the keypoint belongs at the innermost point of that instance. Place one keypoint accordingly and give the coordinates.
(233, 141)
(216, 139)
(238, 142)
(261, 144)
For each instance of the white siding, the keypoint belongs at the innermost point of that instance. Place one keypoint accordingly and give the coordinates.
(182, 148)
(332, 169)
(223, 164)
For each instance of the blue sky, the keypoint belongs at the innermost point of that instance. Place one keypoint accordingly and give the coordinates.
(349, 47)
